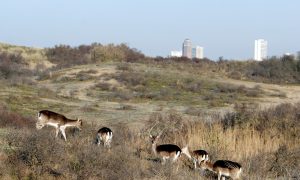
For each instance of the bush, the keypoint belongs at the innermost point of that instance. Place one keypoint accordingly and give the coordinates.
(11, 119)
(66, 56)
(13, 65)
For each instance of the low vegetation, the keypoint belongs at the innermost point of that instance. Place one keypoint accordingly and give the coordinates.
(117, 86)
(138, 85)
(268, 139)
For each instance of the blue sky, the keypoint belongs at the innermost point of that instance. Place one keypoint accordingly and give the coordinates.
(225, 28)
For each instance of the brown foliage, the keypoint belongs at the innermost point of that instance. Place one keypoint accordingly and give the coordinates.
(267, 139)
(11, 119)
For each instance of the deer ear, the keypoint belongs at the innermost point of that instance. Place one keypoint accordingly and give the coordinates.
(151, 136)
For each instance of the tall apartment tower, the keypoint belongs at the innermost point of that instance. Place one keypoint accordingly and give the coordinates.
(260, 49)
(187, 48)
(197, 52)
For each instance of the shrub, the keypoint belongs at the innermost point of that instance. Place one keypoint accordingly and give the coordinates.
(11, 119)
(13, 65)
(103, 86)
(66, 56)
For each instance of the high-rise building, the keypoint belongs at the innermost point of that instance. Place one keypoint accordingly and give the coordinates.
(260, 49)
(187, 48)
(197, 52)
(176, 53)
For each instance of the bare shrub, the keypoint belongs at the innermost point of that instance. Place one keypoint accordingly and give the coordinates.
(66, 56)
(131, 78)
(16, 80)
(122, 95)
(90, 71)
(46, 93)
(175, 128)
(125, 107)
(194, 111)
(11, 119)
(103, 86)
(63, 79)
(124, 67)
(83, 76)
(236, 75)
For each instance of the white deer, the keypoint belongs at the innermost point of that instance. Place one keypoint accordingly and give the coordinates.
(60, 122)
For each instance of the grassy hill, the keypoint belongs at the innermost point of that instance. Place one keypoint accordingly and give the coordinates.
(196, 104)
(32, 55)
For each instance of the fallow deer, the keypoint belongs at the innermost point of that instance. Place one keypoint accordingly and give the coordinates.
(60, 122)
(104, 136)
(167, 151)
(198, 156)
(223, 168)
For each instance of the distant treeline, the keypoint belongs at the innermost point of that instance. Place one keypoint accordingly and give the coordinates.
(284, 69)
(275, 70)
(64, 55)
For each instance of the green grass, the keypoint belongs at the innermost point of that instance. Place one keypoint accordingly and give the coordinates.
(157, 84)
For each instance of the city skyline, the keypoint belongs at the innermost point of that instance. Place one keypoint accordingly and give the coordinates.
(188, 50)
(229, 31)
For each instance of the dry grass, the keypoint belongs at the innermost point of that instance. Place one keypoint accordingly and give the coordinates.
(274, 148)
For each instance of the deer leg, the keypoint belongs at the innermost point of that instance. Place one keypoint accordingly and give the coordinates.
(108, 143)
(56, 132)
(219, 176)
(62, 130)
(164, 160)
(98, 140)
(176, 156)
(195, 163)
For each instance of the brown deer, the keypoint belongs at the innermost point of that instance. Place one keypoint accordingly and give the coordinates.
(60, 122)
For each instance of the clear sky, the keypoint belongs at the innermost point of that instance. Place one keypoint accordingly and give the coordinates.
(225, 28)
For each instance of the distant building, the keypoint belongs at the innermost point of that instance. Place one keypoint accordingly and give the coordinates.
(187, 48)
(260, 49)
(176, 53)
(197, 52)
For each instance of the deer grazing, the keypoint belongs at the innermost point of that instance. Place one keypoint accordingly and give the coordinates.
(198, 156)
(167, 151)
(60, 122)
(104, 136)
(223, 168)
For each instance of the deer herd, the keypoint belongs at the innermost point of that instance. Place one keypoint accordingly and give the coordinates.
(223, 168)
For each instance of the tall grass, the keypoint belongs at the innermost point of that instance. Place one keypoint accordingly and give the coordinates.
(265, 142)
